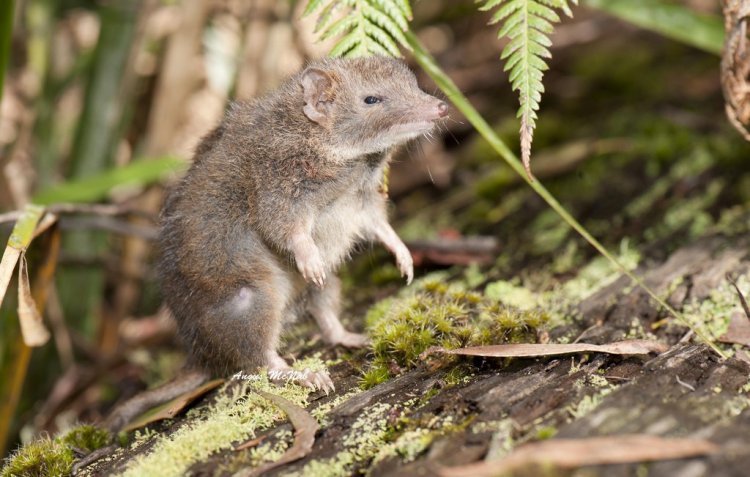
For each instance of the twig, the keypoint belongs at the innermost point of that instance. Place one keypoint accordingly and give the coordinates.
(740, 295)
(584, 332)
(106, 210)
(684, 384)
(458, 251)
(110, 224)
(93, 457)
(467, 245)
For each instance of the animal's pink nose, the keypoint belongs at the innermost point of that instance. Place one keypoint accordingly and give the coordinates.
(442, 109)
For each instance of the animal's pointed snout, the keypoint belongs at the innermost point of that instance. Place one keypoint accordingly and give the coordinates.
(442, 109)
(430, 108)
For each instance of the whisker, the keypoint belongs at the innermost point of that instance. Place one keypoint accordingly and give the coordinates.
(455, 120)
(423, 158)
(449, 132)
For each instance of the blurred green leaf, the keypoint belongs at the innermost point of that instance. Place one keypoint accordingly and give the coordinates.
(100, 126)
(94, 188)
(6, 31)
(677, 22)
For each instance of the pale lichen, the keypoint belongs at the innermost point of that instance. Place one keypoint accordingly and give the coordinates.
(589, 402)
(322, 411)
(361, 443)
(270, 451)
(712, 315)
(236, 415)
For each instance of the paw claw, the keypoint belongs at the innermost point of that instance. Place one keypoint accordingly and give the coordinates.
(312, 268)
(314, 380)
(405, 263)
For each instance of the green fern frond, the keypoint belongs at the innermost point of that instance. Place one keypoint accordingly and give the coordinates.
(526, 24)
(367, 27)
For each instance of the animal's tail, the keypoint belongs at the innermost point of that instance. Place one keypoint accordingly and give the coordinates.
(185, 382)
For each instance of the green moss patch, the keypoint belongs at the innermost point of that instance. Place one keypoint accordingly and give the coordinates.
(434, 313)
(54, 457)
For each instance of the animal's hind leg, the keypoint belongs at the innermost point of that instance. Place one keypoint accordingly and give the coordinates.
(253, 318)
(324, 306)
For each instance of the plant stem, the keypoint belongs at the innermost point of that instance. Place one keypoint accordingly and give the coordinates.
(443, 81)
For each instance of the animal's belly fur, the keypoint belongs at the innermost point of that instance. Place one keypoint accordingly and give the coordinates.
(338, 229)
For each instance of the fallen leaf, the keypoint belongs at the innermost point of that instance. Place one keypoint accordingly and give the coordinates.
(304, 435)
(7, 265)
(32, 326)
(174, 406)
(574, 453)
(742, 355)
(738, 331)
(553, 349)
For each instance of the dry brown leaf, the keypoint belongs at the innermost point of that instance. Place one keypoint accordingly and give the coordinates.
(742, 355)
(176, 405)
(738, 331)
(304, 435)
(553, 349)
(7, 265)
(573, 453)
(32, 327)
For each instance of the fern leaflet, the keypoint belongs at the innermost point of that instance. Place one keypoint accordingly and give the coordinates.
(366, 27)
(526, 24)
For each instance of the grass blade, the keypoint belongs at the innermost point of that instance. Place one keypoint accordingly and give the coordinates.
(677, 22)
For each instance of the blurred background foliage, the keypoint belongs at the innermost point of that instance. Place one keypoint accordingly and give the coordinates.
(104, 101)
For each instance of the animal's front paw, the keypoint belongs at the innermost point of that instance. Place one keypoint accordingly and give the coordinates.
(312, 268)
(405, 263)
(312, 379)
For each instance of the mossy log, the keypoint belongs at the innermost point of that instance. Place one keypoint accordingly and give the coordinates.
(423, 419)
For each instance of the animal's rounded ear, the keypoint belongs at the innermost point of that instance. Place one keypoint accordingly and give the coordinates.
(317, 87)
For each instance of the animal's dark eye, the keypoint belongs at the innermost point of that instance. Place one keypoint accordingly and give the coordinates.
(372, 100)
